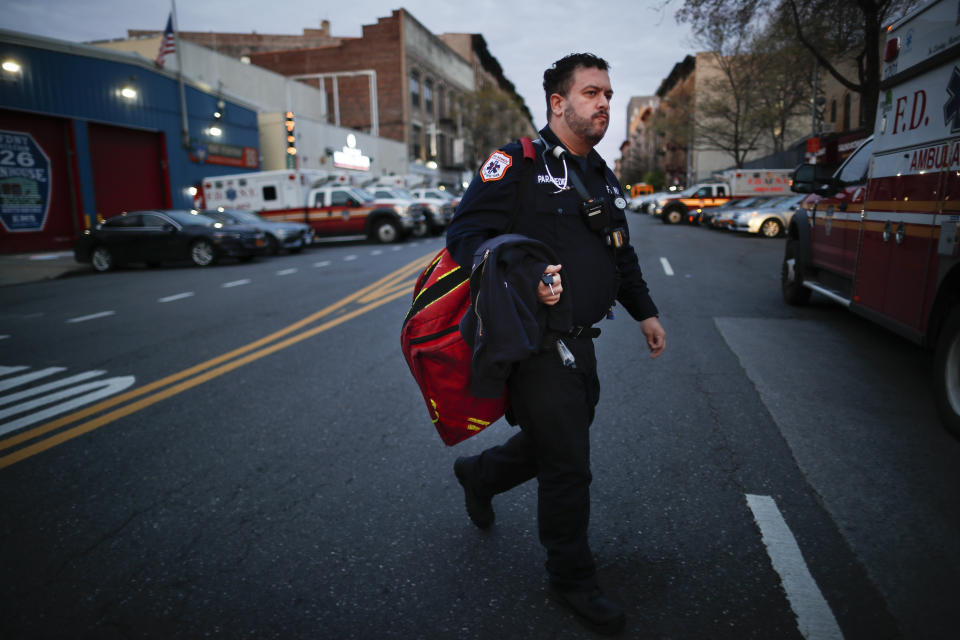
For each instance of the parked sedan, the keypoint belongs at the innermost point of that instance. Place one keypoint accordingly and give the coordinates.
(769, 219)
(287, 236)
(154, 237)
(722, 217)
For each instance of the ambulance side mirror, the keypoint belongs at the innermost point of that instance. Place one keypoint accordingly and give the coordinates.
(814, 178)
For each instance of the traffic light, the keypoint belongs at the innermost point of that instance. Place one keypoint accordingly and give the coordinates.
(291, 141)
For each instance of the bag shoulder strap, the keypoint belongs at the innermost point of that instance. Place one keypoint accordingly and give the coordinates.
(529, 160)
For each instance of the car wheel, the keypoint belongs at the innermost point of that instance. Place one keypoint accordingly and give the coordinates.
(202, 253)
(273, 247)
(946, 373)
(672, 215)
(791, 277)
(386, 231)
(102, 259)
(771, 228)
(420, 230)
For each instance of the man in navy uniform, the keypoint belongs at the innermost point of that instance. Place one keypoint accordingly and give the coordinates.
(552, 402)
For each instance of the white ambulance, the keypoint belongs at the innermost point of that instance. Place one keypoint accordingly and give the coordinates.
(329, 202)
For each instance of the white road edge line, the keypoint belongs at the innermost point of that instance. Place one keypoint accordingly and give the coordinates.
(667, 269)
(235, 283)
(815, 619)
(176, 296)
(92, 316)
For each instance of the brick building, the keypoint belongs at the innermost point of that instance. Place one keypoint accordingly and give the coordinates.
(415, 79)
(241, 45)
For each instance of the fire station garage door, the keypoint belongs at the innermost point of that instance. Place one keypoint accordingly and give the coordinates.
(127, 169)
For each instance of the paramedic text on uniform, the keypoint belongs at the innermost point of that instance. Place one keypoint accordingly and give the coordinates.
(553, 403)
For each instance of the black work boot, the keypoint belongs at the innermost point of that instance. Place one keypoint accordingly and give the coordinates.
(597, 612)
(479, 508)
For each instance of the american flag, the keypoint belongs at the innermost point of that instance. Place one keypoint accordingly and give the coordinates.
(167, 43)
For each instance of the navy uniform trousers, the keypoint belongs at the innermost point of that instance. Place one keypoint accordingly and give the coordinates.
(554, 406)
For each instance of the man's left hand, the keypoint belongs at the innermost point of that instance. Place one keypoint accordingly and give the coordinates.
(656, 336)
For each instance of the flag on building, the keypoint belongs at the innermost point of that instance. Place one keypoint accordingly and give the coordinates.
(167, 42)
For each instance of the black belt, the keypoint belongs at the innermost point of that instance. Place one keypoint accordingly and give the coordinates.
(583, 332)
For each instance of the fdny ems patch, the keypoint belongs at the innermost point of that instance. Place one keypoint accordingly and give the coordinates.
(495, 167)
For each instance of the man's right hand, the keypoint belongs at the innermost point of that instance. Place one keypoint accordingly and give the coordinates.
(549, 294)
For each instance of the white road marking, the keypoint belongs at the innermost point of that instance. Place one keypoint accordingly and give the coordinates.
(376, 252)
(97, 390)
(92, 316)
(28, 377)
(177, 296)
(20, 395)
(5, 371)
(4, 337)
(235, 283)
(286, 272)
(349, 258)
(667, 269)
(397, 248)
(323, 263)
(815, 620)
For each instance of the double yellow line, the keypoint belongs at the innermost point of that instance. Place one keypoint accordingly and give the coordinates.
(386, 289)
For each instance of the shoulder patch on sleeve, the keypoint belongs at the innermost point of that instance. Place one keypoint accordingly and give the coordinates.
(496, 166)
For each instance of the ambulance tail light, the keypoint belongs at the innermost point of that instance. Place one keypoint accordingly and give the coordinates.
(892, 50)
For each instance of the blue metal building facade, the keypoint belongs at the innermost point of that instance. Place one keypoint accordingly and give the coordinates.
(110, 127)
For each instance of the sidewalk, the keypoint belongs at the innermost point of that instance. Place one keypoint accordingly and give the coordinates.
(20, 268)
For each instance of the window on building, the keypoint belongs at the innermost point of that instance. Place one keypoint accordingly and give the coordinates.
(415, 89)
(428, 96)
(416, 132)
(846, 112)
(833, 110)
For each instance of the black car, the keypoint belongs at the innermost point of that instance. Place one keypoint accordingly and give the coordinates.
(154, 237)
(288, 236)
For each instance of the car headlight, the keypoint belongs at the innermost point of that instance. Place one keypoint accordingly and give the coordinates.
(402, 211)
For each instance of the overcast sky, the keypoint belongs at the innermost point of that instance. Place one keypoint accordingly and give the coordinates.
(639, 38)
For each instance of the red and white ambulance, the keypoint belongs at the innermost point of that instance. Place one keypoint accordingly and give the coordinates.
(329, 202)
(880, 235)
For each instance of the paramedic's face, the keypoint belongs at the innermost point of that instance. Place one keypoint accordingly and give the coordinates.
(586, 108)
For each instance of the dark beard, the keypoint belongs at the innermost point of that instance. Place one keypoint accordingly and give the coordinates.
(583, 127)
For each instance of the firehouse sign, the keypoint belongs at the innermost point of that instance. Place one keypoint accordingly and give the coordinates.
(24, 182)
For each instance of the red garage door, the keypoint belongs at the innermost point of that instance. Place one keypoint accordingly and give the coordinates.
(128, 169)
(37, 209)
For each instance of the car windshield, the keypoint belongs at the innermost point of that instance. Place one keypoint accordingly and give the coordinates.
(187, 217)
(361, 194)
(403, 193)
(246, 217)
(749, 202)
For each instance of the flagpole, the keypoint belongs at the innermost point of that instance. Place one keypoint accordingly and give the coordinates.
(184, 125)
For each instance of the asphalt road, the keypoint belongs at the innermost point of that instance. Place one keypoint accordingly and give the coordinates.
(249, 457)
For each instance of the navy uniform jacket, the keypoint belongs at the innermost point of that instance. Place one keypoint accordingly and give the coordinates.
(593, 273)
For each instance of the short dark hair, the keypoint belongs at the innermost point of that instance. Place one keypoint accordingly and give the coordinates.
(559, 77)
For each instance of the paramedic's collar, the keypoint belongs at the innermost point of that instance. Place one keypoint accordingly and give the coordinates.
(593, 157)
